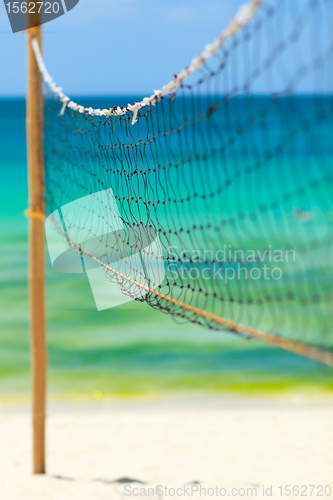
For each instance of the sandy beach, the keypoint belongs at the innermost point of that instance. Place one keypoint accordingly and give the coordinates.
(231, 444)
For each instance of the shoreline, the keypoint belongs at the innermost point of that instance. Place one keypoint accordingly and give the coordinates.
(188, 401)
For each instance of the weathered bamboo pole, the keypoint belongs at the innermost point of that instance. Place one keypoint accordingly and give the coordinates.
(35, 213)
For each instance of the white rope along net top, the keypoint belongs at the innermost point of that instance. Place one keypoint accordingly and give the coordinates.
(246, 12)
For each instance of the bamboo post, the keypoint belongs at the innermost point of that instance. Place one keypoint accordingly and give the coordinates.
(35, 213)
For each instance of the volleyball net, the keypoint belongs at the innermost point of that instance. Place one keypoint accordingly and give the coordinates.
(210, 200)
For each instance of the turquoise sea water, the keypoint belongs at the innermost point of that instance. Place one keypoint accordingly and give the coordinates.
(128, 350)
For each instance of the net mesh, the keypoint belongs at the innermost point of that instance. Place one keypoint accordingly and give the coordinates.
(232, 171)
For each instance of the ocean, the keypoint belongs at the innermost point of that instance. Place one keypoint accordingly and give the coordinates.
(130, 350)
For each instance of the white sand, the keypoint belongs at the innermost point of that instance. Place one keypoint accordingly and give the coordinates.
(230, 445)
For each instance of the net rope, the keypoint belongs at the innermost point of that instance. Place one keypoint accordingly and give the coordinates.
(230, 165)
(246, 12)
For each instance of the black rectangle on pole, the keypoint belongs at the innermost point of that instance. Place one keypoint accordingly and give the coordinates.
(24, 14)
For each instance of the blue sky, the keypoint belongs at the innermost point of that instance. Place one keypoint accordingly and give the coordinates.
(116, 46)
(105, 47)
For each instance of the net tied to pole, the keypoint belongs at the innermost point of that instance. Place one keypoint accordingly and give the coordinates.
(229, 167)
